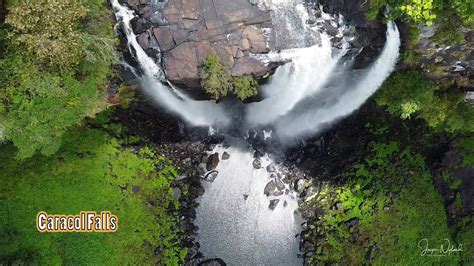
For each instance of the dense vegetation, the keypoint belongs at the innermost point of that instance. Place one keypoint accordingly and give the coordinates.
(56, 61)
(381, 211)
(424, 11)
(53, 71)
(217, 81)
(408, 94)
(92, 171)
(447, 15)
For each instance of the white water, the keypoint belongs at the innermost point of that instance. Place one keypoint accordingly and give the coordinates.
(351, 95)
(245, 231)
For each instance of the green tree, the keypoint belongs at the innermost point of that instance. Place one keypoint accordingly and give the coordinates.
(217, 81)
(59, 58)
(408, 93)
(48, 30)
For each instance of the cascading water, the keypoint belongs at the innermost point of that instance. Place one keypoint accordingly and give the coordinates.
(306, 76)
(309, 68)
(316, 87)
(341, 101)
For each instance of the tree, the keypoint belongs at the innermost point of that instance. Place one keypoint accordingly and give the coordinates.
(58, 62)
(48, 29)
(217, 81)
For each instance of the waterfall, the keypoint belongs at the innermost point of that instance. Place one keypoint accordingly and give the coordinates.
(315, 88)
(311, 64)
(196, 113)
(286, 106)
(345, 98)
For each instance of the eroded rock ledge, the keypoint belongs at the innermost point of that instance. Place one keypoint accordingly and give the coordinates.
(187, 31)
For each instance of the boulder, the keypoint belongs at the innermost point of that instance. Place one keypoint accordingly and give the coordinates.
(273, 204)
(270, 187)
(271, 168)
(177, 193)
(212, 162)
(257, 164)
(225, 156)
(211, 176)
(279, 184)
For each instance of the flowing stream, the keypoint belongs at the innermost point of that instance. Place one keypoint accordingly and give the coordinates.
(235, 221)
(315, 88)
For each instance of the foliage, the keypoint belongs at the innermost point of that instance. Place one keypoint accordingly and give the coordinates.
(217, 81)
(245, 87)
(39, 106)
(58, 62)
(465, 237)
(384, 209)
(418, 11)
(407, 93)
(465, 147)
(48, 30)
(92, 171)
(216, 78)
(424, 11)
(465, 9)
(448, 31)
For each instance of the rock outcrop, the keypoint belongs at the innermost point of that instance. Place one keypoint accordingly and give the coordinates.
(187, 31)
(446, 64)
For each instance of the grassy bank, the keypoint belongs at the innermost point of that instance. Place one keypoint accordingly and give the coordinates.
(92, 171)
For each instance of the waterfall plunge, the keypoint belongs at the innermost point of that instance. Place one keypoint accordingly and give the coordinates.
(286, 107)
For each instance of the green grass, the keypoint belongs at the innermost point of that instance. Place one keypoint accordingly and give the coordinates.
(92, 171)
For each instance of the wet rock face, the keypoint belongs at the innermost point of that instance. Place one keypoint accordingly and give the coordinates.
(187, 31)
(370, 34)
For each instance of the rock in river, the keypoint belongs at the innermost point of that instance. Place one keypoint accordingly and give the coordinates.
(273, 204)
(270, 187)
(271, 168)
(257, 164)
(225, 156)
(212, 162)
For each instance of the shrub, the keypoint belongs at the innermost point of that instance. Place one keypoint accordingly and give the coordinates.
(245, 87)
(217, 81)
